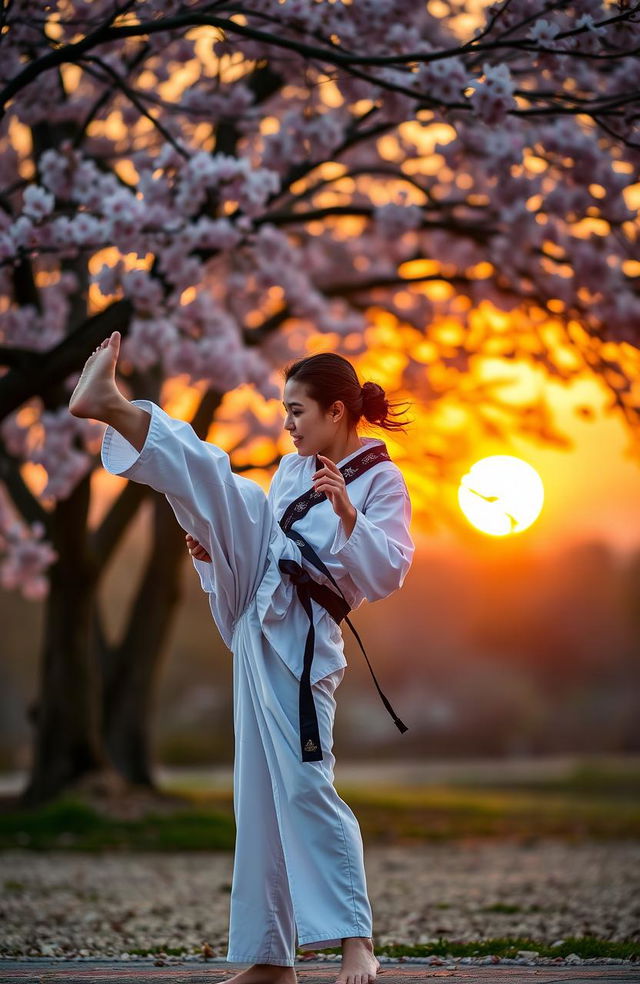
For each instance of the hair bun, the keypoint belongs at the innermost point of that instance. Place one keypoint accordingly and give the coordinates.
(375, 405)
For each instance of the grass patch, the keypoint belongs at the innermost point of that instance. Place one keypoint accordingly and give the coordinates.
(614, 780)
(502, 907)
(390, 815)
(70, 824)
(584, 946)
(442, 813)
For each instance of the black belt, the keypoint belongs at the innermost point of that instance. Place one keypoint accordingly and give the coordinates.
(307, 589)
(335, 603)
(338, 608)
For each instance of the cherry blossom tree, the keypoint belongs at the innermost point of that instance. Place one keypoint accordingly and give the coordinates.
(419, 185)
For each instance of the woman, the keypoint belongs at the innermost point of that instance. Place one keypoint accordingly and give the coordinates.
(298, 877)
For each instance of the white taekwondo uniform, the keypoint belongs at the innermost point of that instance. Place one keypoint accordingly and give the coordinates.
(298, 876)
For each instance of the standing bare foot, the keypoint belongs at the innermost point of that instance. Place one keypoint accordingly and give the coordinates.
(264, 974)
(96, 388)
(359, 963)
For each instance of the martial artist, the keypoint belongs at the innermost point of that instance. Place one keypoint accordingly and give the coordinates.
(281, 572)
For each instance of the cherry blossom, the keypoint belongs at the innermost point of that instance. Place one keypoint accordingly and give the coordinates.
(493, 95)
(37, 203)
(543, 31)
(239, 211)
(27, 557)
(396, 218)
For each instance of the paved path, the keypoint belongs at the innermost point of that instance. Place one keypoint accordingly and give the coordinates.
(117, 972)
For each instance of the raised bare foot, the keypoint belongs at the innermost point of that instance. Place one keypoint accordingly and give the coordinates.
(359, 963)
(264, 974)
(96, 387)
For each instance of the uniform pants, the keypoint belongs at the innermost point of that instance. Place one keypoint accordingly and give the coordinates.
(298, 877)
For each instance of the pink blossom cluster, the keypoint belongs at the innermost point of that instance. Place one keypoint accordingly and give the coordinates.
(395, 218)
(28, 327)
(277, 262)
(492, 97)
(303, 139)
(27, 557)
(232, 179)
(229, 104)
(229, 243)
(58, 442)
(201, 342)
(107, 214)
(148, 340)
(444, 80)
(25, 554)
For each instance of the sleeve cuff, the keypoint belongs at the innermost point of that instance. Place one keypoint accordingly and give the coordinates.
(205, 573)
(341, 541)
(117, 455)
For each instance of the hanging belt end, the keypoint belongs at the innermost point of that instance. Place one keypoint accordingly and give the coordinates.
(312, 756)
(311, 750)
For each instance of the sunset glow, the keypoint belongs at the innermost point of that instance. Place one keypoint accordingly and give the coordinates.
(501, 495)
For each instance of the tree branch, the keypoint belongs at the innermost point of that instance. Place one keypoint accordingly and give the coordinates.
(22, 497)
(478, 232)
(133, 97)
(19, 358)
(74, 51)
(105, 539)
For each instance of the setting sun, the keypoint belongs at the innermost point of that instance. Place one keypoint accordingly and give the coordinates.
(501, 494)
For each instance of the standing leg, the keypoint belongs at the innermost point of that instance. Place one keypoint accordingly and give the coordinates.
(319, 834)
(261, 925)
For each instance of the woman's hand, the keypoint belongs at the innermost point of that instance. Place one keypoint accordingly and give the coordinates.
(329, 480)
(196, 549)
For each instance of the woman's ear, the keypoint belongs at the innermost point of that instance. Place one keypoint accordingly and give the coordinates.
(336, 411)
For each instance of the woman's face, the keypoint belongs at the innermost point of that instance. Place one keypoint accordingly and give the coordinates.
(312, 429)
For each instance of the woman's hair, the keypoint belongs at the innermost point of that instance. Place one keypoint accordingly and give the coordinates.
(329, 377)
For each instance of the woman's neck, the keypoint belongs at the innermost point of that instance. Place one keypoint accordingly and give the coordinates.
(342, 446)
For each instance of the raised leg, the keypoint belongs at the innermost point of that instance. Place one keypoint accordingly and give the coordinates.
(227, 513)
(97, 396)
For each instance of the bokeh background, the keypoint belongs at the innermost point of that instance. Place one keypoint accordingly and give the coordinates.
(447, 193)
(517, 646)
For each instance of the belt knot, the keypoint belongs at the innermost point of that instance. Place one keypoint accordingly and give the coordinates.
(297, 573)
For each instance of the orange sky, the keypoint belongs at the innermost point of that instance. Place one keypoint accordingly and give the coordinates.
(592, 491)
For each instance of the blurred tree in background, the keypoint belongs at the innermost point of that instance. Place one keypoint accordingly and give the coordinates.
(430, 189)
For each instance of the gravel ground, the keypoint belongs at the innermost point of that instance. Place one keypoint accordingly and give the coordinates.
(66, 904)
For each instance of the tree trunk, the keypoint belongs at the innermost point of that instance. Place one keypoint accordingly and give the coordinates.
(132, 670)
(67, 713)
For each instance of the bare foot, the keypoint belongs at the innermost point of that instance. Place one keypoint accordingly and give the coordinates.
(264, 974)
(96, 387)
(359, 963)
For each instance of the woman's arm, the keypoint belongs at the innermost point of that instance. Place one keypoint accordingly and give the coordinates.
(378, 552)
